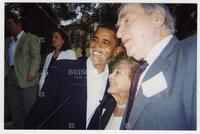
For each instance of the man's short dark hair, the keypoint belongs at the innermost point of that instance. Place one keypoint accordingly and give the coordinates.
(14, 17)
(110, 27)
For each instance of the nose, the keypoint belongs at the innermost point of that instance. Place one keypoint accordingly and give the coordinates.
(53, 39)
(110, 76)
(97, 44)
(120, 32)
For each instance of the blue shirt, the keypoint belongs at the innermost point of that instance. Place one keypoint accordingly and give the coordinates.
(12, 48)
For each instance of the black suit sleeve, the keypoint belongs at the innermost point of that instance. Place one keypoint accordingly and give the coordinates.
(44, 106)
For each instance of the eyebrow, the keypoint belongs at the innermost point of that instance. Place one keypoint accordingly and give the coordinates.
(103, 39)
(120, 17)
(107, 41)
(94, 36)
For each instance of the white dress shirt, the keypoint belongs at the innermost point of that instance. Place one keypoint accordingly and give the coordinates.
(96, 84)
(12, 47)
(153, 55)
(114, 123)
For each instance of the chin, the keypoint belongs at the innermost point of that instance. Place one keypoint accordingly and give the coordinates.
(136, 57)
(98, 63)
(139, 58)
(110, 89)
(113, 91)
(129, 53)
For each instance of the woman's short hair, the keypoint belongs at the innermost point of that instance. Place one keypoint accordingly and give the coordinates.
(131, 63)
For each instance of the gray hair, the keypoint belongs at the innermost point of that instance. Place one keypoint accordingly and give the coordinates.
(149, 8)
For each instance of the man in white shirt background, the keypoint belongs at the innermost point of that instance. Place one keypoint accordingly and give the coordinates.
(22, 62)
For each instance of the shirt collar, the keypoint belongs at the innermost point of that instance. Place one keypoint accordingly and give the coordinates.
(157, 49)
(93, 70)
(19, 35)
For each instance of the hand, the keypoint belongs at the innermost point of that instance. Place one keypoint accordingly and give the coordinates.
(30, 77)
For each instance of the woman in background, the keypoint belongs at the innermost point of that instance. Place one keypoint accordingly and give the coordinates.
(62, 50)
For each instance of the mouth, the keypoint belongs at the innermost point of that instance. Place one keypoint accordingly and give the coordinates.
(112, 84)
(97, 52)
(125, 41)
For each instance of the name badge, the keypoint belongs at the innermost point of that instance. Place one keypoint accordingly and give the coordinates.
(154, 85)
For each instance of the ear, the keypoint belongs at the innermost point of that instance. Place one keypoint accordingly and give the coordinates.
(158, 18)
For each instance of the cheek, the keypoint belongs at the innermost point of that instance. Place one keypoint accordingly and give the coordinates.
(96, 45)
(113, 90)
(12, 29)
(125, 84)
(139, 29)
(139, 40)
(56, 42)
(108, 52)
(60, 41)
(146, 32)
(92, 45)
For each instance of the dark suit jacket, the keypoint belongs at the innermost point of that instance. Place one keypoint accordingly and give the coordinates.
(64, 101)
(63, 105)
(103, 113)
(175, 106)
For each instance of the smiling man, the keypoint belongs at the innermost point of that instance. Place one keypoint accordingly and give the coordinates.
(74, 89)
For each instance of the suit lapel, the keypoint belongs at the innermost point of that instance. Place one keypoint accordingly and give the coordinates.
(49, 59)
(138, 106)
(84, 66)
(21, 41)
(109, 108)
(160, 64)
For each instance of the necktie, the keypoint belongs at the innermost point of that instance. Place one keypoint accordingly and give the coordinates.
(133, 89)
(15, 38)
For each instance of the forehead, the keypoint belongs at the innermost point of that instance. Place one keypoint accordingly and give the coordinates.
(122, 67)
(10, 20)
(131, 9)
(106, 35)
(56, 33)
(105, 32)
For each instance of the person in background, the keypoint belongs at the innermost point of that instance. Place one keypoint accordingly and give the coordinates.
(62, 50)
(22, 62)
(111, 110)
(164, 94)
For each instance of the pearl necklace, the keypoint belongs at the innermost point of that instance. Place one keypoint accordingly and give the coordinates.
(122, 106)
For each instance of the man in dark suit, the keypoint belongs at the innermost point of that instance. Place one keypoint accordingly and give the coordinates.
(22, 62)
(165, 94)
(74, 89)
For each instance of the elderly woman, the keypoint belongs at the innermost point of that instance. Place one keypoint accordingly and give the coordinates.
(62, 50)
(112, 107)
